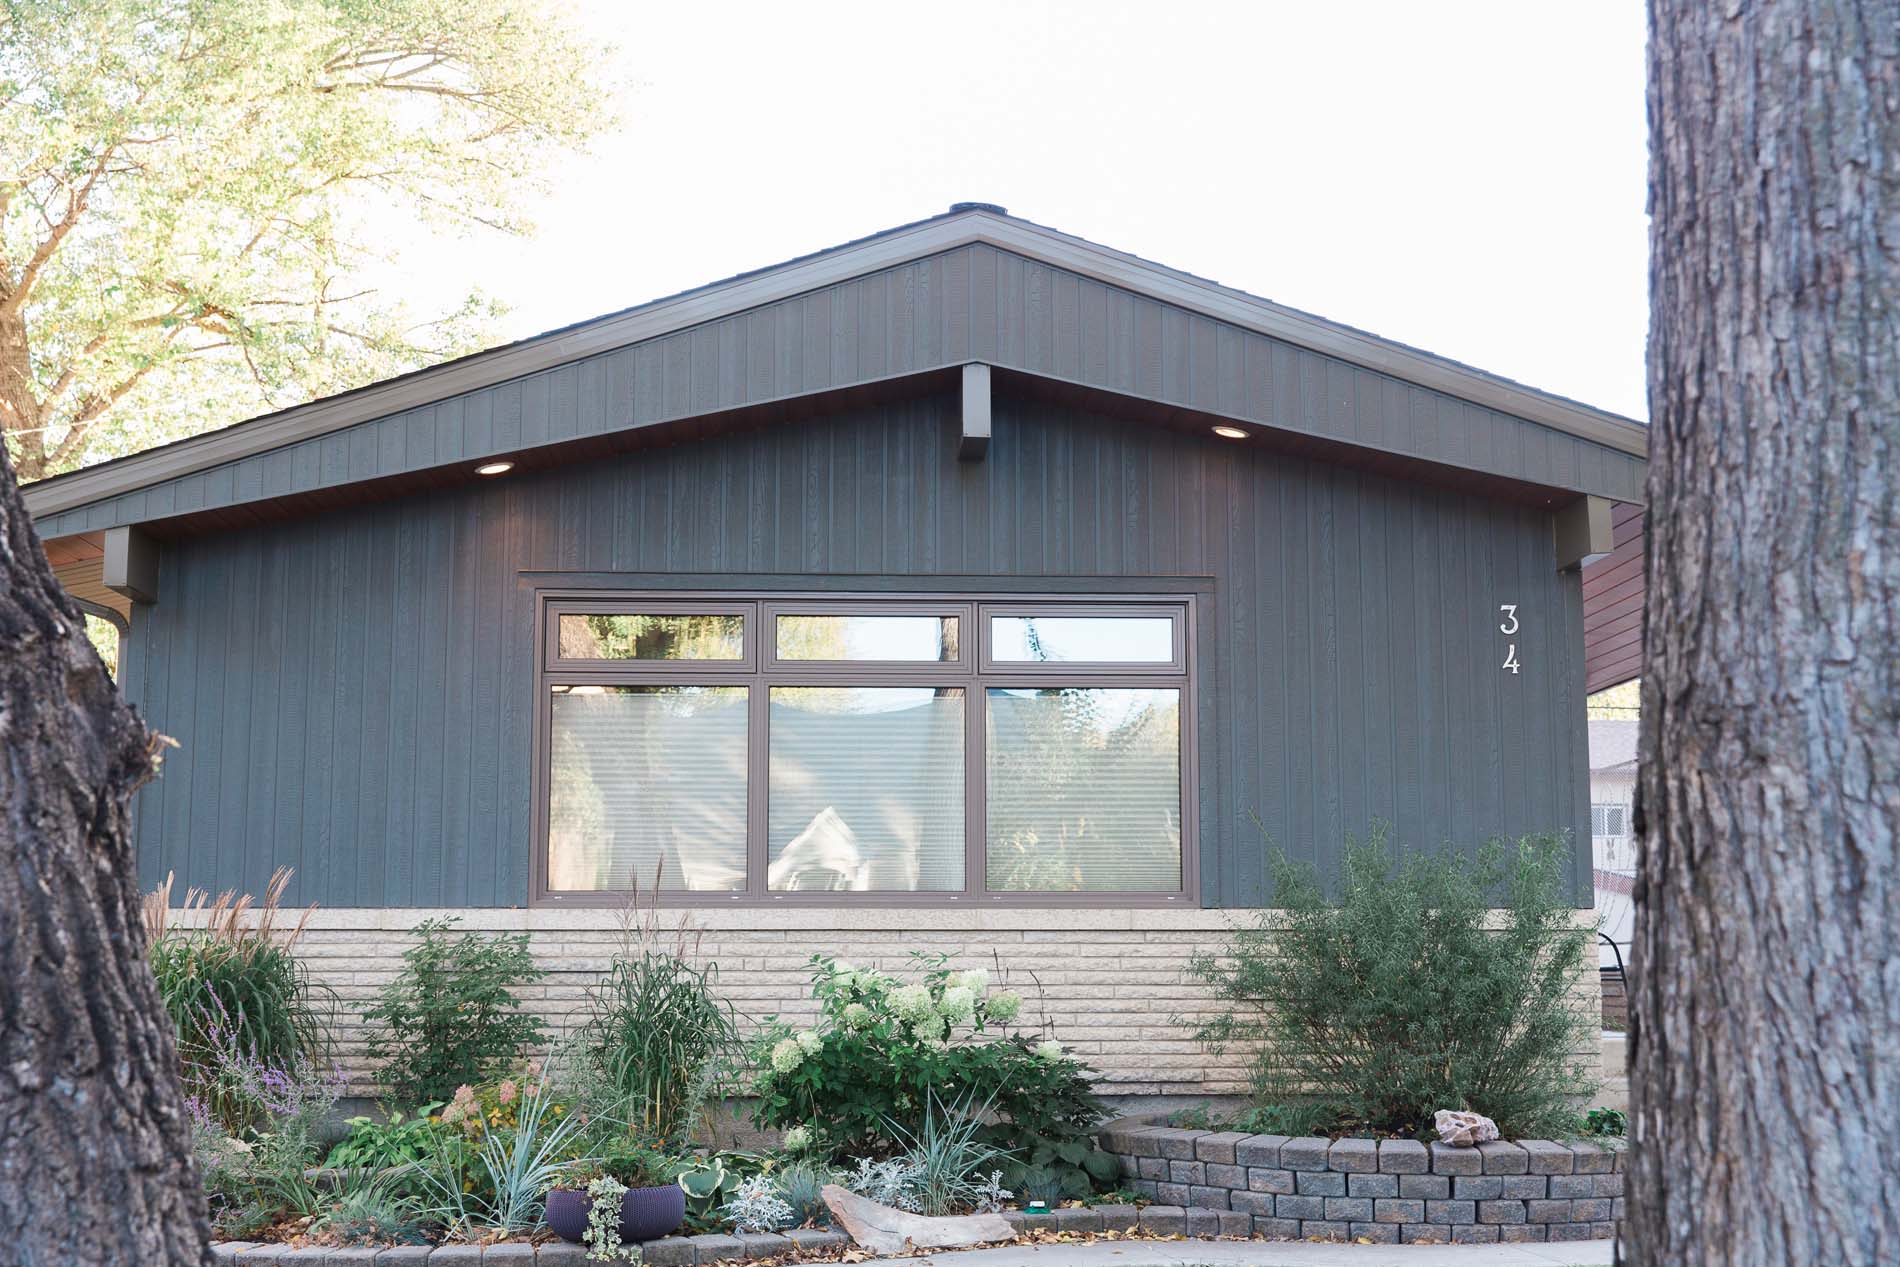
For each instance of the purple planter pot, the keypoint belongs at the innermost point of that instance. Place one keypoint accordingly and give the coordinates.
(646, 1214)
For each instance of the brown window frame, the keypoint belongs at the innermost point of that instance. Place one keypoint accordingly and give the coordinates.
(761, 669)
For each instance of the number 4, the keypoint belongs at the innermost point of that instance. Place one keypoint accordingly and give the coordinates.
(1510, 659)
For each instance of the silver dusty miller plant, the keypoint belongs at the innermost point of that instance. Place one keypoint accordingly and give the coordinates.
(892, 1182)
(757, 1207)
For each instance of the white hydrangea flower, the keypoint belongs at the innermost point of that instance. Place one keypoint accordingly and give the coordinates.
(797, 1139)
(930, 1028)
(912, 1003)
(1049, 1050)
(976, 980)
(856, 1016)
(958, 1004)
(787, 1055)
(809, 1040)
(1003, 1005)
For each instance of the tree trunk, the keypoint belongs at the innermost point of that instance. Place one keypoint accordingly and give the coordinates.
(1765, 1027)
(95, 1143)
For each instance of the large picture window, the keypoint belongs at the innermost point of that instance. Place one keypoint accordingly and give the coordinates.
(786, 749)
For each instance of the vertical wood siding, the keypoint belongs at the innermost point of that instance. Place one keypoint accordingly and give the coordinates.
(352, 692)
(975, 303)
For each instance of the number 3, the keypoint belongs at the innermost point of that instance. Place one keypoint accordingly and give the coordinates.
(1510, 618)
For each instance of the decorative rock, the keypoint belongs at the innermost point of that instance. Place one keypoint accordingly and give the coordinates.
(1464, 1130)
(883, 1230)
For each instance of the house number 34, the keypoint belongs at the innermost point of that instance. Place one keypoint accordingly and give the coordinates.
(1507, 627)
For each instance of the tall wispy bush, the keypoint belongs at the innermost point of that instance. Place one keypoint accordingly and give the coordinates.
(1403, 993)
(656, 1035)
(228, 973)
(450, 1017)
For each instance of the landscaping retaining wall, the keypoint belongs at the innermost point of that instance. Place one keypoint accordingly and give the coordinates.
(1387, 1191)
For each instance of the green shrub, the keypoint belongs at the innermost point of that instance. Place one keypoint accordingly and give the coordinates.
(374, 1145)
(1404, 994)
(1605, 1123)
(230, 981)
(863, 1081)
(450, 1018)
(656, 1036)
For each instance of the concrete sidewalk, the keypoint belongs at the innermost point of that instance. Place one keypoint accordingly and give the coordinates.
(1190, 1253)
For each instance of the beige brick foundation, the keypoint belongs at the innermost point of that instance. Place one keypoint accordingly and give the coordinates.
(1109, 984)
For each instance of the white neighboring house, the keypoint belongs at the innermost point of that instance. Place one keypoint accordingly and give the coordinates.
(1612, 847)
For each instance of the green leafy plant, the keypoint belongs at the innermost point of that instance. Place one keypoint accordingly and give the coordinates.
(655, 1031)
(396, 1141)
(1606, 1122)
(1405, 994)
(602, 1237)
(450, 1018)
(862, 1081)
(229, 977)
(707, 1185)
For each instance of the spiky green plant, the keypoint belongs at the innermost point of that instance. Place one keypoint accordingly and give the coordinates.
(656, 1032)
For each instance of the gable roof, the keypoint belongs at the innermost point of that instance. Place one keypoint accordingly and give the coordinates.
(974, 284)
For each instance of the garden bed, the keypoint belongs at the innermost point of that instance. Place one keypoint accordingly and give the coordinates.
(1389, 1191)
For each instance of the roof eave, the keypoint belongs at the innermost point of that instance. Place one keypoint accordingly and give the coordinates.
(885, 250)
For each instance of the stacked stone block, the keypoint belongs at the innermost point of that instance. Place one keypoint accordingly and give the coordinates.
(1386, 1191)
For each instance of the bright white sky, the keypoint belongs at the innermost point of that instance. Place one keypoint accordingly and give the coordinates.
(1465, 177)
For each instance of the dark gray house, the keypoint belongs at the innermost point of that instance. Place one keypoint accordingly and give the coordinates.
(966, 587)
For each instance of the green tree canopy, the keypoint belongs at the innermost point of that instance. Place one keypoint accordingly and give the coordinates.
(195, 196)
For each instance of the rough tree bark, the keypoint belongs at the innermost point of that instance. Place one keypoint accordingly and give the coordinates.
(95, 1144)
(1765, 1052)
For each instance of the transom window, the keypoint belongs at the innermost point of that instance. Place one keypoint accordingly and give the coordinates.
(799, 749)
